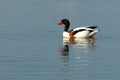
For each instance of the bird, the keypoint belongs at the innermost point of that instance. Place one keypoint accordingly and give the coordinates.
(79, 32)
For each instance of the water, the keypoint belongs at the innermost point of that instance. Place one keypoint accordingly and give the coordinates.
(32, 47)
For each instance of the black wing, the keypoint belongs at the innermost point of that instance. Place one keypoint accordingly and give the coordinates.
(92, 27)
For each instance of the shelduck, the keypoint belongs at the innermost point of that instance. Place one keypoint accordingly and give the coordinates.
(80, 32)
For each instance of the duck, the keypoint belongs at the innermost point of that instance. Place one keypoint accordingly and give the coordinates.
(79, 32)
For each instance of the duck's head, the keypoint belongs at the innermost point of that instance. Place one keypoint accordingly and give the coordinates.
(64, 21)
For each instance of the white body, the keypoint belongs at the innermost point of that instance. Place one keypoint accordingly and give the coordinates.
(82, 34)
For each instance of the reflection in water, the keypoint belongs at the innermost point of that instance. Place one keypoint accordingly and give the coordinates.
(65, 65)
(65, 50)
(65, 54)
(83, 45)
(65, 60)
(79, 58)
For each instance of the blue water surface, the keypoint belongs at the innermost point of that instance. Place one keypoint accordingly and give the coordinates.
(32, 47)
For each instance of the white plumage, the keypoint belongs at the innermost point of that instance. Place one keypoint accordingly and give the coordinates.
(87, 31)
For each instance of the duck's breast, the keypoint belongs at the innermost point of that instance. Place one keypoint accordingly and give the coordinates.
(66, 34)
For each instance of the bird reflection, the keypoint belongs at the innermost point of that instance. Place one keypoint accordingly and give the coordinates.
(83, 42)
(79, 42)
(79, 45)
(65, 59)
(81, 48)
(65, 49)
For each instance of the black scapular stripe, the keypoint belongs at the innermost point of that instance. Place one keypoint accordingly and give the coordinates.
(92, 27)
(90, 31)
(78, 31)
